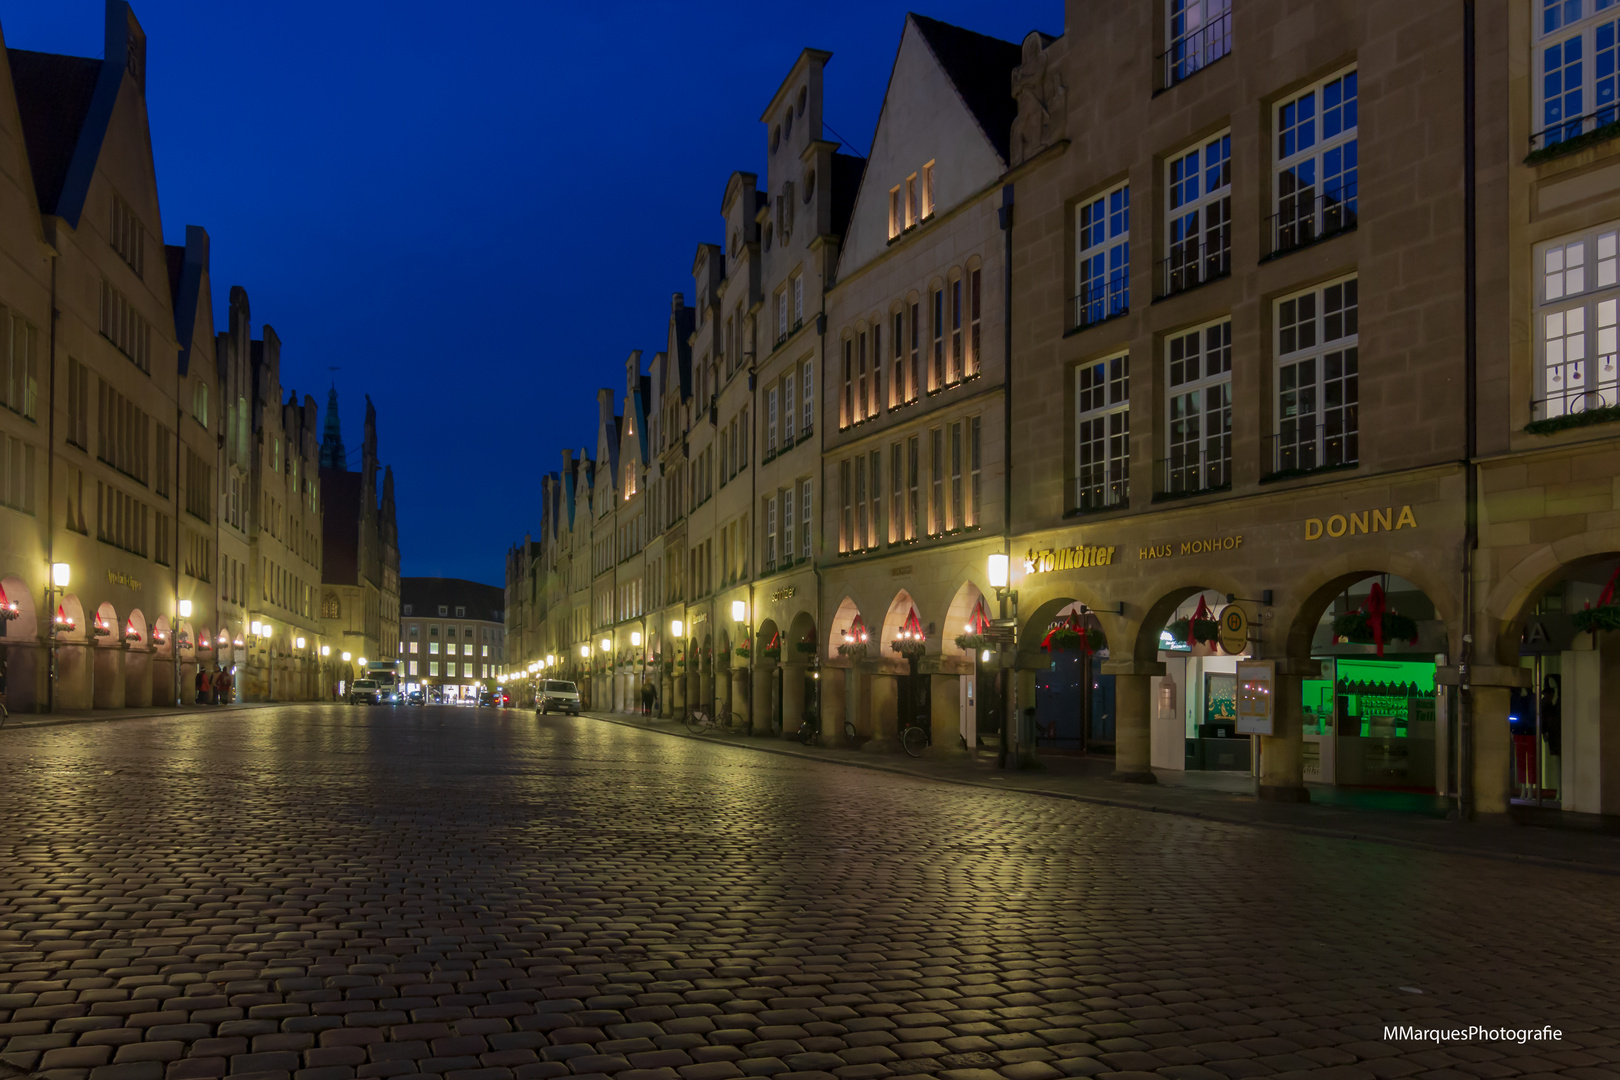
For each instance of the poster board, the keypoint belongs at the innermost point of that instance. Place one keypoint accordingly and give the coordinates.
(1255, 682)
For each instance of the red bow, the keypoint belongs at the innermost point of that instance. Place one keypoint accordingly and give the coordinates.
(1607, 595)
(1071, 623)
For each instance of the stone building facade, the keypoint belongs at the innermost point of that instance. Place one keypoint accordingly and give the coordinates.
(1160, 223)
(147, 516)
(452, 637)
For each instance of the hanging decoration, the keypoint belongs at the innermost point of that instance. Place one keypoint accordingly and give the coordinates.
(1606, 615)
(1374, 623)
(773, 649)
(975, 639)
(100, 626)
(1201, 629)
(130, 633)
(1072, 635)
(8, 606)
(854, 645)
(910, 641)
(63, 622)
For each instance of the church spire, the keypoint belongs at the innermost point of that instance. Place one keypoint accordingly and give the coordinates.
(333, 456)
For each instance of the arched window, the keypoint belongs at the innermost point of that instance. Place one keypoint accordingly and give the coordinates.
(330, 608)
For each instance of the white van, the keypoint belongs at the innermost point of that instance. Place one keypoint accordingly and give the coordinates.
(557, 696)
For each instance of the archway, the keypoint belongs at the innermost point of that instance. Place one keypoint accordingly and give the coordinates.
(765, 691)
(1074, 698)
(137, 661)
(20, 657)
(1372, 714)
(107, 678)
(1192, 706)
(801, 674)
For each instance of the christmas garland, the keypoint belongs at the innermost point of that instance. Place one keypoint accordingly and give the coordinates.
(806, 648)
(744, 651)
(1202, 631)
(1602, 617)
(772, 652)
(973, 643)
(853, 650)
(1356, 627)
(1069, 640)
(909, 649)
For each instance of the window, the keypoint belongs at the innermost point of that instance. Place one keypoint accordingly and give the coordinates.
(1315, 183)
(860, 503)
(1199, 409)
(19, 365)
(1102, 454)
(911, 200)
(770, 420)
(973, 466)
(956, 520)
(1316, 378)
(875, 461)
(770, 534)
(847, 416)
(915, 382)
(975, 340)
(860, 376)
(936, 471)
(896, 220)
(466, 671)
(798, 300)
(927, 191)
(956, 331)
(787, 527)
(1575, 76)
(1578, 295)
(1102, 259)
(18, 483)
(1200, 33)
(433, 667)
(1198, 215)
(897, 495)
(804, 520)
(913, 455)
(897, 377)
(787, 410)
(936, 378)
(199, 403)
(412, 664)
(846, 530)
(807, 398)
(781, 315)
(875, 400)
(125, 327)
(78, 432)
(127, 236)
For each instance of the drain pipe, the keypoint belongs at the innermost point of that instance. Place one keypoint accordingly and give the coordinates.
(1465, 693)
(1009, 692)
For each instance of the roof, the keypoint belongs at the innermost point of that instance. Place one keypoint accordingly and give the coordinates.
(427, 594)
(53, 96)
(981, 67)
(847, 170)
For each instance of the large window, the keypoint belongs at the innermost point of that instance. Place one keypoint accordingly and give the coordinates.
(1198, 410)
(1575, 75)
(1316, 378)
(1315, 165)
(1578, 319)
(1198, 215)
(804, 519)
(1199, 33)
(1102, 456)
(1102, 259)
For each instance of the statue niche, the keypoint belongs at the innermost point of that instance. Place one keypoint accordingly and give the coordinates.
(1037, 84)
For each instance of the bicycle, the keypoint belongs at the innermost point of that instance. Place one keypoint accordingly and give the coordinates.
(915, 737)
(810, 730)
(700, 720)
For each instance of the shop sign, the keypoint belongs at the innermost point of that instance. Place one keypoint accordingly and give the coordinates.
(784, 594)
(118, 577)
(1191, 547)
(1254, 698)
(1069, 558)
(1362, 521)
(1546, 634)
(1234, 623)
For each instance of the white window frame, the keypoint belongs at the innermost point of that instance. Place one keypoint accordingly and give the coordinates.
(805, 521)
(927, 192)
(770, 533)
(809, 382)
(1309, 208)
(770, 420)
(1584, 102)
(1110, 242)
(787, 525)
(798, 300)
(787, 411)
(896, 219)
(1316, 376)
(1209, 396)
(1197, 33)
(781, 314)
(1577, 310)
(1198, 213)
(1102, 432)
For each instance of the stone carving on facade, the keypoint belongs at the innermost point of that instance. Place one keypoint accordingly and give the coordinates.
(784, 212)
(1037, 84)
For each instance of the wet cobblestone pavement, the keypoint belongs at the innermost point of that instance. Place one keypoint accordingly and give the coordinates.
(324, 892)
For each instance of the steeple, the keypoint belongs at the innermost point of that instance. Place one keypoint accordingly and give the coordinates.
(333, 455)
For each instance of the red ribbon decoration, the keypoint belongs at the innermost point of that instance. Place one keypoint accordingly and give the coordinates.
(1607, 595)
(978, 622)
(1202, 614)
(1375, 608)
(1071, 623)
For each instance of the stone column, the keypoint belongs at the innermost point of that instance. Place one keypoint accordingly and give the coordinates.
(739, 697)
(109, 676)
(1282, 761)
(1133, 720)
(833, 712)
(763, 713)
(138, 678)
(883, 712)
(1492, 748)
(666, 695)
(792, 699)
(945, 715)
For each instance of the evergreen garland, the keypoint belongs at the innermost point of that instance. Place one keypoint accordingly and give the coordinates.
(1356, 627)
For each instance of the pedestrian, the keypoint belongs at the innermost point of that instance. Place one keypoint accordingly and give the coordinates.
(217, 683)
(202, 685)
(228, 682)
(646, 699)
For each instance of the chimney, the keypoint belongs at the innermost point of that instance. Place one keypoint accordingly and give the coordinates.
(604, 407)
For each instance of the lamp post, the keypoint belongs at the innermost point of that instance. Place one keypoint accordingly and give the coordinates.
(676, 700)
(997, 571)
(635, 643)
(739, 616)
(183, 611)
(61, 575)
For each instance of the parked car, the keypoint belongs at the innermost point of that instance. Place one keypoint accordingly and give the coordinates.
(364, 691)
(557, 695)
(416, 697)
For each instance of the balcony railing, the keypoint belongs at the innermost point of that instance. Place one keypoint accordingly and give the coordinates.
(1567, 136)
(1097, 303)
(1303, 448)
(1109, 494)
(1190, 473)
(1305, 220)
(1191, 264)
(1195, 52)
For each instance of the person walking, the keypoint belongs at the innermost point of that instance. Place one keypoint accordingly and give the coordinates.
(202, 685)
(230, 685)
(216, 683)
(646, 699)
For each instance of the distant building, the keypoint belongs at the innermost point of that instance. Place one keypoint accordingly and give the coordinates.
(360, 572)
(453, 635)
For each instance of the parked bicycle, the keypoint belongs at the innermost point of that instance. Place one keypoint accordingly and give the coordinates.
(915, 736)
(701, 719)
(810, 731)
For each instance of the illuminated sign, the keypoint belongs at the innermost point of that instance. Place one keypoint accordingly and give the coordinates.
(1363, 521)
(1069, 558)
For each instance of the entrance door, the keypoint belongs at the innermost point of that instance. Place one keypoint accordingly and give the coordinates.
(915, 704)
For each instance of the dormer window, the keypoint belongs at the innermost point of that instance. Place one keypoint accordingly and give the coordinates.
(896, 220)
(927, 191)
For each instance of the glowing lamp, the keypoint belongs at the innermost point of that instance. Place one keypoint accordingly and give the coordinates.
(61, 574)
(185, 609)
(998, 571)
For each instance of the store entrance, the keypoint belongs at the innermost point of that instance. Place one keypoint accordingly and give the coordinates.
(1074, 701)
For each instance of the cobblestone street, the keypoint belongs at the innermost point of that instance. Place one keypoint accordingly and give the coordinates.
(325, 892)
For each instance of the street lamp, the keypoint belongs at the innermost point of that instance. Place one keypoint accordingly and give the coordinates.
(185, 609)
(997, 572)
(61, 575)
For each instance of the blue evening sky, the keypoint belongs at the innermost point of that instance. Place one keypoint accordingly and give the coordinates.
(474, 210)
